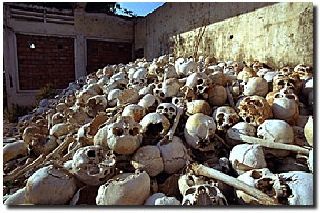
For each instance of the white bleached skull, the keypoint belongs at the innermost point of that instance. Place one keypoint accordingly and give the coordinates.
(124, 135)
(174, 155)
(171, 87)
(254, 110)
(244, 157)
(93, 165)
(113, 97)
(303, 71)
(199, 131)
(125, 189)
(225, 117)
(185, 68)
(155, 124)
(148, 158)
(256, 86)
(204, 195)
(95, 105)
(158, 91)
(285, 107)
(167, 109)
(149, 103)
(276, 131)
(50, 185)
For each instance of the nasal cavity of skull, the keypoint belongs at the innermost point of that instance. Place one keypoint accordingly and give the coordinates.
(213, 191)
(91, 153)
(117, 131)
(134, 131)
(248, 119)
(256, 174)
(200, 81)
(281, 83)
(154, 129)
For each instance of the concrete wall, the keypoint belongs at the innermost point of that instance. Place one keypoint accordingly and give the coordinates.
(85, 26)
(279, 35)
(175, 18)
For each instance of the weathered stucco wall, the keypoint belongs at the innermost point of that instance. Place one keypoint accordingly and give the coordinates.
(176, 17)
(281, 34)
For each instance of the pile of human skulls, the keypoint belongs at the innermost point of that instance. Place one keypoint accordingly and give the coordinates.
(172, 131)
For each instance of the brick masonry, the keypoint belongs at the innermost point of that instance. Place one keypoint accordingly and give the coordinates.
(102, 53)
(51, 61)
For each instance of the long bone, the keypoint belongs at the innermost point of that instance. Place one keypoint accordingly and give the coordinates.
(262, 198)
(265, 143)
(37, 162)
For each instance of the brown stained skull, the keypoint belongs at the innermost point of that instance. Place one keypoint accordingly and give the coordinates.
(95, 105)
(291, 82)
(303, 71)
(254, 110)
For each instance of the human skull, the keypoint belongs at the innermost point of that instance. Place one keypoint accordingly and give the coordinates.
(198, 106)
(308, 131)
(285, 107)
(95, 105)
(128, 96)
(276, 131)
(149, 103)
(240, 128)
(126, 189)
(217, 95)
(303, 71)
(203, 195)
(124, 135)
(113, 97)
(154, 125)
(158, 91)
(246, 74)
(148, 158)
(171, 87)
(161, 199)
(167, 109)
(244, 157)
(254, 110)
(134, 110)
(184, 68)
(174, 155)
(256, 86)
(188, 180)
(14, 150)
(225, 117)
(50, 186)
(199, 131)
(93, 165)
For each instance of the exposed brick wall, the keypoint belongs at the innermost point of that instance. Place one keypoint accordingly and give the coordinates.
(102, 53)
(52, 61)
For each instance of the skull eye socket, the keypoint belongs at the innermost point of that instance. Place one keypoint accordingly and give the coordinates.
(159, 85)
(212, 191)
(278, 96)
(290, 96)
(256, 174)
(200, 87)
(171, 109)
(161, 94)
(117, 131)
(134, 131)
(91, 153)
(200, 81)
(160, 107)
(281, 83)
(176, 101)
(190, 191)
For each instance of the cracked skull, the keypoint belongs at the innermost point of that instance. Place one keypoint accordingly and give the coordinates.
(93, 165)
